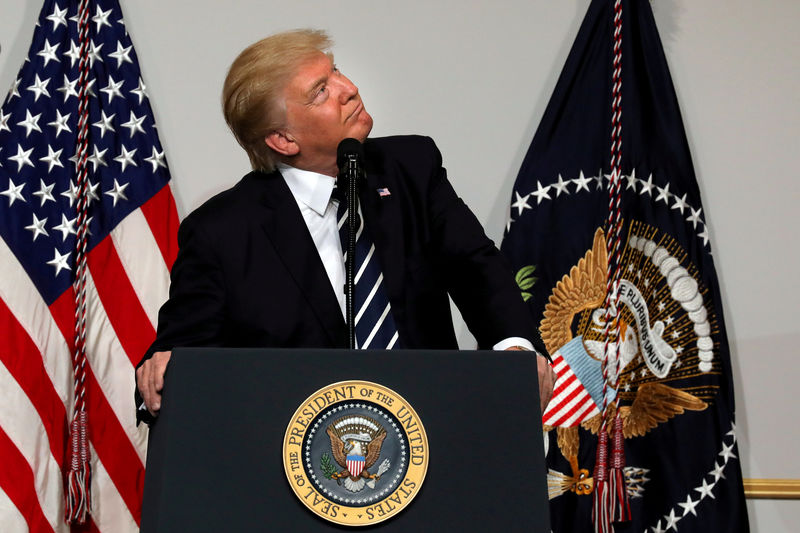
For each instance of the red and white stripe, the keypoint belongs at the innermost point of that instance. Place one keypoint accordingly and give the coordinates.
(355, 466)
(127, 280)
(571, 403)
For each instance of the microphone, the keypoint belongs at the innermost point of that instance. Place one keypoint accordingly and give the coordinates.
(349, 157)
(349, 150)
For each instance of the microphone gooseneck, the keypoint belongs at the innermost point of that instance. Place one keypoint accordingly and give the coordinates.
(349, 157)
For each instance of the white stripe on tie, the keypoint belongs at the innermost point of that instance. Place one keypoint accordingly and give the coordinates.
(358, 236)
(364, 264)
(344, 218)
(376, 328)
(394, 340)
(369, 298)
(360, 229)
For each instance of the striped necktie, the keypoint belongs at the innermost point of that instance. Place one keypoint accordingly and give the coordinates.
(375, 326)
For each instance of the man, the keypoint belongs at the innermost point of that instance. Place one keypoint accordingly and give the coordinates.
(262, 265)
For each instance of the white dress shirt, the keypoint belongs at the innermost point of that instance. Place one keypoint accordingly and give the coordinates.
(312, 192)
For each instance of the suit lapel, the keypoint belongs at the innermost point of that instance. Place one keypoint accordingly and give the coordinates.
(286, 229)
(385, 224)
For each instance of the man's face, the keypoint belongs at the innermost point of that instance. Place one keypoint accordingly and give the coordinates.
(322, 108)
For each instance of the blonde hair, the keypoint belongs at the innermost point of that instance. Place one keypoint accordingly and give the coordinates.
(252, 97)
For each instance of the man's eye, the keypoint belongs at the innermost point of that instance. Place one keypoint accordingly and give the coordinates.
(321, 94)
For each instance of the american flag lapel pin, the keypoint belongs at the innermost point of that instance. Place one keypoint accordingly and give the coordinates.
(383, 192)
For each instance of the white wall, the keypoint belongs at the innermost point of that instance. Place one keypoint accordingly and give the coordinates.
(477, 75)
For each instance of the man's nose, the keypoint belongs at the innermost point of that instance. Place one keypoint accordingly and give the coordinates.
(347, 89)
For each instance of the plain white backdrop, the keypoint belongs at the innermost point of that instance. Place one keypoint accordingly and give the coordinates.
(476, 76)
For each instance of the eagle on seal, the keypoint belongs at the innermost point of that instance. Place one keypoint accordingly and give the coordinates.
(356, 445)
(575, 302)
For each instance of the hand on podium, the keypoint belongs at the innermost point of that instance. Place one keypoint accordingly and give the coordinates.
(547, 377)
(150, 380)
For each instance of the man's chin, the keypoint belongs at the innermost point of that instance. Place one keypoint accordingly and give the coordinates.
(364, 127)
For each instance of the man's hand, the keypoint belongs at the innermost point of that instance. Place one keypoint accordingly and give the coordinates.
(547, 377)
(150, 380)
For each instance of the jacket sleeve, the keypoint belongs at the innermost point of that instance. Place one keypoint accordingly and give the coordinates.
(193, 314)
(477, 276)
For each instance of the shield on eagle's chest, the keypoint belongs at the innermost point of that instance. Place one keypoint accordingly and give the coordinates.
(355, 464)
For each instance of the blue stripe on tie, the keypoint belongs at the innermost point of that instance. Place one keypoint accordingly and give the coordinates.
(369, 298)
(364, 263)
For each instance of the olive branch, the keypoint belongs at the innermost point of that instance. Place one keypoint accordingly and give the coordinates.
(525, 280)
(326, 465)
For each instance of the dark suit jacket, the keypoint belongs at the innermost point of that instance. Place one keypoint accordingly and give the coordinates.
(248, 273)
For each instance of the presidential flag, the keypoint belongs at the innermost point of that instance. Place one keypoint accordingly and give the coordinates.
(130, 243)
(654, 355)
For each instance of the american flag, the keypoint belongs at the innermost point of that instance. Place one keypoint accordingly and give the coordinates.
(131, 246)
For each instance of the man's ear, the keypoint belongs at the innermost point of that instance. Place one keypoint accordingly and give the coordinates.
(282, 142)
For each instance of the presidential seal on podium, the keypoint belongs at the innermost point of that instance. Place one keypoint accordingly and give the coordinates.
(355, 453)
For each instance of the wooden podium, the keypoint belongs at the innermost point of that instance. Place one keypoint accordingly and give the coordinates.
(215, 459)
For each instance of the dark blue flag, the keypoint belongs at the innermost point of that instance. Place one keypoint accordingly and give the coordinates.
(674, 391)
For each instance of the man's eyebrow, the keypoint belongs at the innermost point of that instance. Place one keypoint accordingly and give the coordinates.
(322, 80)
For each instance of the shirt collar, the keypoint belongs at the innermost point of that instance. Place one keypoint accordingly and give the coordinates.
(310, 188)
